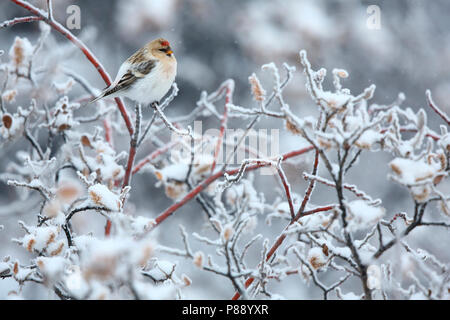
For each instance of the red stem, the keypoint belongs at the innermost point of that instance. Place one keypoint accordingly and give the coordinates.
(14, 21)
(287, 190)
(89, 55)
(300, 214)
(152, 156)
(108, 131)
(41, 15)
(194, 192)
(279, 241)
(131, 156)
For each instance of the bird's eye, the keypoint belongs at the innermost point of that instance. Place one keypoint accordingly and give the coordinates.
(164, 49)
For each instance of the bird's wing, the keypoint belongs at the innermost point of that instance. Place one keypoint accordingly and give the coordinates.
(135, 71)
(127, 75)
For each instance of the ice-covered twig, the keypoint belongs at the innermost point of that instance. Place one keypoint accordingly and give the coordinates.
(316, 280)
(89, 55)
(12, 22)
(200, 187)
(133, 146)
(34, 185)
(228, 86)
(287, 188)
(165, 103)
(350, 187)
(169, 124)
(436, 109)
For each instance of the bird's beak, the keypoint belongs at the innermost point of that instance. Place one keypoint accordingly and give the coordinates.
(169, 52)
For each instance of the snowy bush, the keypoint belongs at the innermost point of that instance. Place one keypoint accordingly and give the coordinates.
(71, 160)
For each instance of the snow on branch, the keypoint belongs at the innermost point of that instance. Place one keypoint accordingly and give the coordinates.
(63, 174)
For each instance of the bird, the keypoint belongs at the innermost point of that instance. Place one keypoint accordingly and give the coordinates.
(146, 76)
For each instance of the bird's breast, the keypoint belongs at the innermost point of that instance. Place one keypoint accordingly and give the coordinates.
(169, 68)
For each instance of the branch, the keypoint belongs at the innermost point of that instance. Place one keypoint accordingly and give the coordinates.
(436, 109)
(133, 147)
(10, 23)
(152, 156)
(299, 214)
(287, 189)
(228, 86)
(200, 187)
(168, 124)
(42, 15)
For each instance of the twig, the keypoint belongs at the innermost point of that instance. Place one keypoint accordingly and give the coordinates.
(10, 23)
(200, 187)
(228, 86)
(436, 109)
(168, 124)
(153, 155)
(133, 147)
(89, 55)
(166, 102)
(287, 189)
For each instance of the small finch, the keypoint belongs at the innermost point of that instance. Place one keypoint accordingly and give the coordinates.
(146, 76)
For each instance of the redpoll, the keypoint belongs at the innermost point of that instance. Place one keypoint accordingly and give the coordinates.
(146, 76)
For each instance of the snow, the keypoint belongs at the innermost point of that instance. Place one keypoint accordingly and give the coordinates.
(176, 172)
(82, 242)
(368, 139)
(56, 247)
(315, 221)
(109, 168)
(227, 232)
(23, 273)
(349, 296)
(316, 258)
(199, 259)
(410, 172)
(374, 277)
(9, 95)
(75, 283)
(362, 215)
(39, 237)
(250, 225)
(64, 87)
(165, 266)
(16, 128)
(99, 266)
(141, 224)
(100, 195)
(20, 54)
(52, 267)
(4, 267)
(244, 190)
(335, 100)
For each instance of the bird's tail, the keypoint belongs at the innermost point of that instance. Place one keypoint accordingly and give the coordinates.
(108, 91)
(101, 95)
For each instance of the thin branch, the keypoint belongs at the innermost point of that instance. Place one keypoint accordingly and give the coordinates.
(200, 187)
(168, 124)
(89, 55)
(12, 22)
(228, 86)
(436, 109)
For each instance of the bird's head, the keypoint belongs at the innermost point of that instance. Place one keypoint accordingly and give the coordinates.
(161, 48)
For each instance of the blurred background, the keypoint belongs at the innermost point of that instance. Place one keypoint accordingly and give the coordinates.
(217, 40)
